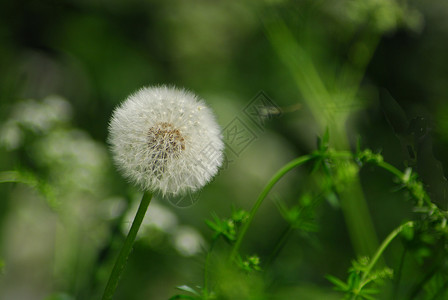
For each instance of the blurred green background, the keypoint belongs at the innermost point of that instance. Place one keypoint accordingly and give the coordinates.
(375, 69)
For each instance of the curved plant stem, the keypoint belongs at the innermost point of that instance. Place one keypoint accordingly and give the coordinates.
(288, 167)
(381, 249)
(401, 176)
(127, 247)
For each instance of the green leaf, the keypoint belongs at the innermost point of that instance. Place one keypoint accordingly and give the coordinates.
(370, 291)
(367, 297)
(252, 263)
(225, 228)
(239, 216)
(323, 143)
(353, 280)
(32, 180)
(186, 288)
(339, 284)
(360, 265)
(212, 225)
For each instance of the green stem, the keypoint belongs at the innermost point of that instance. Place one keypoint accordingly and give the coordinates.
(288, 167)
(391, 169)
(399, 274)
(279, 245)
(419, 287)
(401, 175)
(207, 263)
(441, 291)
(381, 249)
(127, 247)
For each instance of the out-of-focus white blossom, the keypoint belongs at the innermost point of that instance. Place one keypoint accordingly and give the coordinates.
(11, 135)
(74, 153)
(41, 116)
(188, 241)
(36, 116)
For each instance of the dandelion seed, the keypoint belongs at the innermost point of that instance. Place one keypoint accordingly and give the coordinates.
(161, 139)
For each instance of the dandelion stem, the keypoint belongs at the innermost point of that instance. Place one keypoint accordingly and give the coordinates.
(288, 167)
(127, 247)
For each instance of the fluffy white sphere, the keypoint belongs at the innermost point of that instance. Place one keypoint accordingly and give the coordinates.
(166, 140)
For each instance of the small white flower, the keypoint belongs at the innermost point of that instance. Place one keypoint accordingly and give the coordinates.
(166, 140)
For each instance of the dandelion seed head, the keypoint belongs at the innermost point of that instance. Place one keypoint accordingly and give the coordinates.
(166, 140)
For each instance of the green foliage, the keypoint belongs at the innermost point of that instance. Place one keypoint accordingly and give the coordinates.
(194, 294)
(367, 156)
(227, 228)
(301, 216)
(239, 216)
(437, 286)
(250, 264)
(359, 278)
(383, 15)
(32, 180)
(222, 228)
(363, 282)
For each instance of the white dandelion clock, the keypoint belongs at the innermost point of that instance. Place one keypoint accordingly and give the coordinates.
(166, 140)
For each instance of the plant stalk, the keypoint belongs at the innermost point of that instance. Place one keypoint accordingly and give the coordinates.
(288, 167)
(122, 258)
(381, 249)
